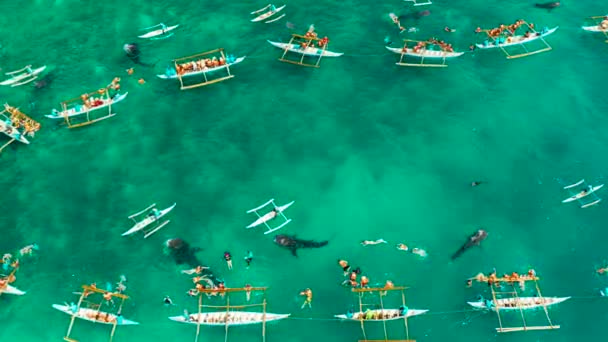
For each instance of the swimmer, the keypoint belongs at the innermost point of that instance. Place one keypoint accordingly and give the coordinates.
(602, 270)
(197, 270)
(141, 81)
(228, 258)
(345, 266)
(476, 183)
(108, 297)
(28, 250)
(308, 300)
(130, 71)
(420, 252)
(447, 29)
(167, 301)
(370, 242)
(248, 291)
(402, 247)
(249, 258)
(387, 41)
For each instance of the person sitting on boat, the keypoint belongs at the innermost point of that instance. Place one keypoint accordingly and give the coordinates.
(583, 192)
(604, 24)
(403, 310)
(222, 61)
(154, 213)
(308, 301)
(364, 281)
(323, 42)
(311, 32)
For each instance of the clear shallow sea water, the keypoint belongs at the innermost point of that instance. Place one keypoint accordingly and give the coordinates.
(366, 149)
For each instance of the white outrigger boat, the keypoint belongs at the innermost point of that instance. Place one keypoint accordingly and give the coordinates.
(601, 26)
(11, 290)
(229, 318)
(275, 212)
(517, 303)
(588, 190)
(162, 32)
(94, 316)
(308, 51)
(6, 127)
(515, 40)
(381, 315)
(152, 216)
(172, 74)
(272, 10)
(425, 53)
(22, 76)
(80, 109)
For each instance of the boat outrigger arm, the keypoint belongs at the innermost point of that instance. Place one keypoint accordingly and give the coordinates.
(276, 211)
(416, 3)
(578, 196)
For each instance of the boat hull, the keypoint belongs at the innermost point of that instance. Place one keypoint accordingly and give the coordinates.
(158, 32)
(147, 221)
(89, 314)
(314, 52)
(174, 76)
(14, 134)
(574, 198)
(235, 318)
(594, 28)
(74, 112)
(267, 15)
(12, 291)
(23, 76)
(382, 315)
(529, 303)
(426, 53)
(518, 41)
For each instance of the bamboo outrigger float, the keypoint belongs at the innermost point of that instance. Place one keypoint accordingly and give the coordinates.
(433, 49)
(511, 301)
(382, 315)
(92, 312)
(16, 125)
(229, 314)
(204, 63)
(307, 45)
(600, 25)
(87, 104)
(506, 35)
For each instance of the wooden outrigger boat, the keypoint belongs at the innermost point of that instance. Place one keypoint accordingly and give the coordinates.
(230, 318)
(517, 303)
(22, 76)
(425, 50)
(230, 315)
(503, 37)
(511, 301)
(16, 125)
(92, 310)
(416, 3)
(601, 25)
(308, 45)
(586, 191)
(206, 63)
(153, 215)
(381, 314)
(89, 103)
(270, 11)
(161, 31)
(275, 212)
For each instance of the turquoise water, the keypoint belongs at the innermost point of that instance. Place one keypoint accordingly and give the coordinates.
(366, 149)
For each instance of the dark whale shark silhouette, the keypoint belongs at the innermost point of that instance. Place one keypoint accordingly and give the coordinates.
(292, 243)
(474, 240)
(182, 253)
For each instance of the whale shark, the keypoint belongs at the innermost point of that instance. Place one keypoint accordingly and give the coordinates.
(548, 5)
(182, 253)
(473, 240)
(292, 243)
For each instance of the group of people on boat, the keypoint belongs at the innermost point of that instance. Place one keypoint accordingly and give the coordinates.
(200, 65)
(19, 120)
(508, 29)
(378, 315)
(493, 279)
(421, 46)
(312, 35)
(90, 101)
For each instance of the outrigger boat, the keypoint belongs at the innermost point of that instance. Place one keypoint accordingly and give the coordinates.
(308, 45)
(230, 318)
(201, 64)
(424, 50)
(275, 212)
(89, 308)
(503, 37)
(381, 315)
(152, 216)
(11, 290)
(588, 190)
(601, 25)
(22, 76)
(517, 303)
(416, 3)
(272, 10)
(16, 126)
(161, 33)
(89, 103)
